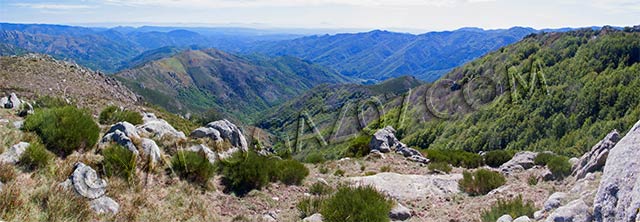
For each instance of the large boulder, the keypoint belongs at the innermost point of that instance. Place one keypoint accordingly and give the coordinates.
(399, 212)
(384, 141)
(618, 197)
(86, 183)
(158, 128)
(520, 161)
(150, 149)
(13, 154)
(127, 128)
(574, 211)
(409, 187)
(220, 131)
(554, 201)
(205, 151)
(596, 158)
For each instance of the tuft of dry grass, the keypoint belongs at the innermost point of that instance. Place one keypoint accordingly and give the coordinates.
(10, 200)
(7, 172)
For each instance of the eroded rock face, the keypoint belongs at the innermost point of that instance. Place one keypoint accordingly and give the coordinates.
(575, 211)
(596, 158)
(86, 183)
(158, 128)
(520, 161)
(13, 154)
(384, 141)
(618, 197)
(411, 187)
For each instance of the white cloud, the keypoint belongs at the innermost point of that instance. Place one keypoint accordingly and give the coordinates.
(287, 3)
(52, 6)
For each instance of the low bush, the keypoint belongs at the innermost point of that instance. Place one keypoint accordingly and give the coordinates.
(359, 147)
(339, 172)
(496, 158)
(319, 188)
(309, 206)
(119, 161)
(315, 158)
(385, 168)
(543, 158)
(113, 114)
(515, 208)
(64, 129)
(458, 158)
(480, 182)
(291, 172)
(242, 176)
(7, 172)
(559, 166)
(532, 180)
(440, 166)
(356, 204)
(49, 102)
(36, 156)
(323, 170)
(193, 167)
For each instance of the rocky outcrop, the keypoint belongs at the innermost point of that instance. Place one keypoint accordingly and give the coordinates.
(13, 154)
(150, 149)
(519, 162)
(385, 141)
(205, 151)
(127, 128)
(85, 182)
(411, 187)
(158, 128)
(618, 197)
(119, 138)
(11, 102)
(575, 211)
(400, 213)
(223, 130)
(596, 158)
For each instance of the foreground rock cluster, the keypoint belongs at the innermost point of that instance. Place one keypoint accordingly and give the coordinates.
(385, 141)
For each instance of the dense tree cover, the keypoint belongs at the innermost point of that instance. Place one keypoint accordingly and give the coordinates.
(592, 83)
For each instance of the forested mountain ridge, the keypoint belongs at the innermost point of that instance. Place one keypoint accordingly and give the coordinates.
(381, 55)
(193, 81)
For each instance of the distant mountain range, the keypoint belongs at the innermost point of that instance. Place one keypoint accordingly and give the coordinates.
(193, 81)
(375, 55)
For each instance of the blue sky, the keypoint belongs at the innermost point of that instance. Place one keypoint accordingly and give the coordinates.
(401, 15)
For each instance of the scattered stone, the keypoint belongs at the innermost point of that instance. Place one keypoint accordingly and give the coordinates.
(13, 154)
(574, 211)
(18, 124)
(618, 197)
(323, 181)
(520, 161)
(553, 201)
(538, 215)
(596, 158)
(270, 216)
(150, 149)
(15, 101)
(408, 187)
(505, 218)
(86, 183)
(104, 204)
(313, 218)
(522, 219)
(376, 154)
(4, 102)
(546, 175)
(399, 212)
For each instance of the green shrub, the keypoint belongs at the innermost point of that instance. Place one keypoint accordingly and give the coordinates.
(559, 166)
(339, 172)
(315, 158)
(514, 208)
(356, 204)
(36, 157)
(385, 168)
(480, 182)
(309, 206)
(440, 166)
(359, 146)
(532, 180)
(370, 173)
(119, 161)
(253, 172)
(49, 102)
(496, 158)
(193, 166)
(543, 158)
(323, 170)
(64, 129)
(10, 201)
(291, 172)
(319, 188)
(458, 158)
(113, 114)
